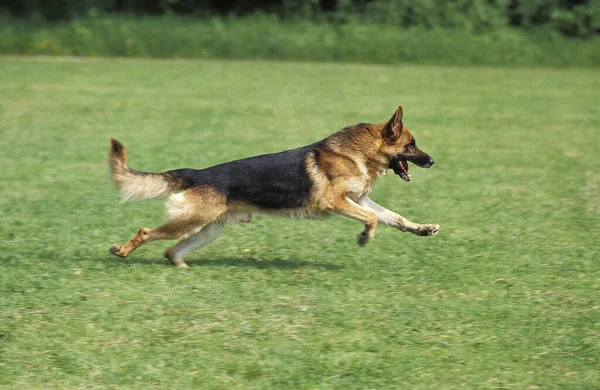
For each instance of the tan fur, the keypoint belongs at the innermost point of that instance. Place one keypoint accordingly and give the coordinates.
(346, 167)
(187, 214)
(342, 170)
(134, 185)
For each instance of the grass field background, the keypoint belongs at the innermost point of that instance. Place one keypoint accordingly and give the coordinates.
(506, 296)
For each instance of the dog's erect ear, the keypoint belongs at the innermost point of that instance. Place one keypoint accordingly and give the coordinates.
(393, 129)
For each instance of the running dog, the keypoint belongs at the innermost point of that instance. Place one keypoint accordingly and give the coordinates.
(332, 176)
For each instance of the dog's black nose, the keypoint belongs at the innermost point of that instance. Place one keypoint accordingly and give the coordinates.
(426, 162)
(423, 161)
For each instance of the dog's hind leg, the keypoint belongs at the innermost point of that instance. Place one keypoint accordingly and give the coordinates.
(168, 231)
(389, 218)
(187, 213)
(205, 236)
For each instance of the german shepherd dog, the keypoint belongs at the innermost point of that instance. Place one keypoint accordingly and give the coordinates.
(332, 176)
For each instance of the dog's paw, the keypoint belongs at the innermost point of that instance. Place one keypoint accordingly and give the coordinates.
(428, 230)
(115, 250)
(363, 238)
(176, 261)
(246, 218)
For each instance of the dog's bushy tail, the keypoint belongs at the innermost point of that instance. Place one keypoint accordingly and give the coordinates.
(135, 185)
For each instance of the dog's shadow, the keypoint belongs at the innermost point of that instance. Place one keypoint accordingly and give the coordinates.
(290, 264)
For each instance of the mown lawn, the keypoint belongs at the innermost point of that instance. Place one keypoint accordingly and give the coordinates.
(506, 296)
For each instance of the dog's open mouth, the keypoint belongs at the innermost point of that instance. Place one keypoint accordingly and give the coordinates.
(400, 167)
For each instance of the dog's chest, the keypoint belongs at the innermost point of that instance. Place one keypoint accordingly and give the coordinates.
(364, 185)
(360, 186)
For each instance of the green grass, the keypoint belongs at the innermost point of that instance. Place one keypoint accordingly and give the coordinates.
(506, 296)
(268, 37)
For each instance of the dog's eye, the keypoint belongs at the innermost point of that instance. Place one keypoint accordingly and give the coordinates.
(411, 143)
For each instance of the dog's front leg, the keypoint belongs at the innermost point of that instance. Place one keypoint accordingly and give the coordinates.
(351, 209)
(389, 218)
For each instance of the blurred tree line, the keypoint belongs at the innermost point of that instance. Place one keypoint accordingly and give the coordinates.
(579, 18)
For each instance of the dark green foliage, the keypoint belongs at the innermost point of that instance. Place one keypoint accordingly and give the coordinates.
(581, 20)
(571, 17)
(270, 37)
(468, 14)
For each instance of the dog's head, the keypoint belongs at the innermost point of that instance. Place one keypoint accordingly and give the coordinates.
(400, 146)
